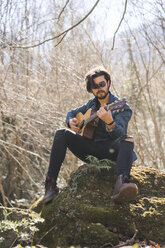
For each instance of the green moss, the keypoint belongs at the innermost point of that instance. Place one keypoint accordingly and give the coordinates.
(114, 217)
(150, 218)
(94, 234)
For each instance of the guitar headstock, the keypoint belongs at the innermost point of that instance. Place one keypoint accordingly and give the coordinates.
(117, 105)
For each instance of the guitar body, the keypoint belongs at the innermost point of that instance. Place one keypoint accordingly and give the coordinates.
(89, 121)
(87, 130)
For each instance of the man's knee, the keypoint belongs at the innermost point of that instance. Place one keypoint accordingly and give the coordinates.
(130, 139)
(60, 132)
(59, 135)
(64, 135)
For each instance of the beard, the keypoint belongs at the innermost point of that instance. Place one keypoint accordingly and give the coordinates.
(103, 95)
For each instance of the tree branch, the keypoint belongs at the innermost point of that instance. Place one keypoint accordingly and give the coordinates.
(125, 8)
(61, 39)
(63, 33)
(63, 9)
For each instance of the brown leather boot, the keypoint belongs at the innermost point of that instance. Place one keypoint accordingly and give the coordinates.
(124, 191)
(51, 189)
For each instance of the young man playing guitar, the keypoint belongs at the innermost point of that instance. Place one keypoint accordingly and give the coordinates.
(103, 137)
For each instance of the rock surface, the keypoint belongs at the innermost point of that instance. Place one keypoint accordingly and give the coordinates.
(83, 213)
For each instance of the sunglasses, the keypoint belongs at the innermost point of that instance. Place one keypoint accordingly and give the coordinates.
(98, 86)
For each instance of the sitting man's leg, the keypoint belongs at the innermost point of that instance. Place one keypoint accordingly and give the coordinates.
(56, 158)
(125, 191)
(79, 146)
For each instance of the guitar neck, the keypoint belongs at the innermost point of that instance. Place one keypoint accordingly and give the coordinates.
(93, 116)
(112, 107)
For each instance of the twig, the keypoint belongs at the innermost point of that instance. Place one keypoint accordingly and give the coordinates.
(2, 191)
(63, 33)
(22, 167)
(21, 149)
(125, 8)
(47, 233)
(63, 9)
(61, 39)
(106, 245)
(13, 242)
(128, 242)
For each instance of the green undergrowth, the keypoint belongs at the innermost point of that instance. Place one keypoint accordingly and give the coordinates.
(17, 226)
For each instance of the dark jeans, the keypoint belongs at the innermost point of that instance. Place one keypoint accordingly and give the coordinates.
(120, 151)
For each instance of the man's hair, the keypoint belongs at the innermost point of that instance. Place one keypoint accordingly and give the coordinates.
(96, 72)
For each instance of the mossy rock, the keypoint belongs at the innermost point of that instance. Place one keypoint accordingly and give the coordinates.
(83, 213)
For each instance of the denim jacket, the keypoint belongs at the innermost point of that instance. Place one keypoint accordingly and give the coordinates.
(121, 119)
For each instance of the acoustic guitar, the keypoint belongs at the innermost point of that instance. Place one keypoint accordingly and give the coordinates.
(89, 121)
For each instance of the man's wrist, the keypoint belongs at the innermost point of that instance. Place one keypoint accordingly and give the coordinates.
(109, 124)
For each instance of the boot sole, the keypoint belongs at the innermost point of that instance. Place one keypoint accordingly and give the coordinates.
(127, 193)
(50, 198)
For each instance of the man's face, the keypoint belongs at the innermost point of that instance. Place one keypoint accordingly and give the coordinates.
(100, 88)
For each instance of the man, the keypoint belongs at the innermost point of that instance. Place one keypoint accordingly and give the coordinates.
(110, 139)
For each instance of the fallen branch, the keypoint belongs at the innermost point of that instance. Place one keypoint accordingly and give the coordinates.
(128, 242)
